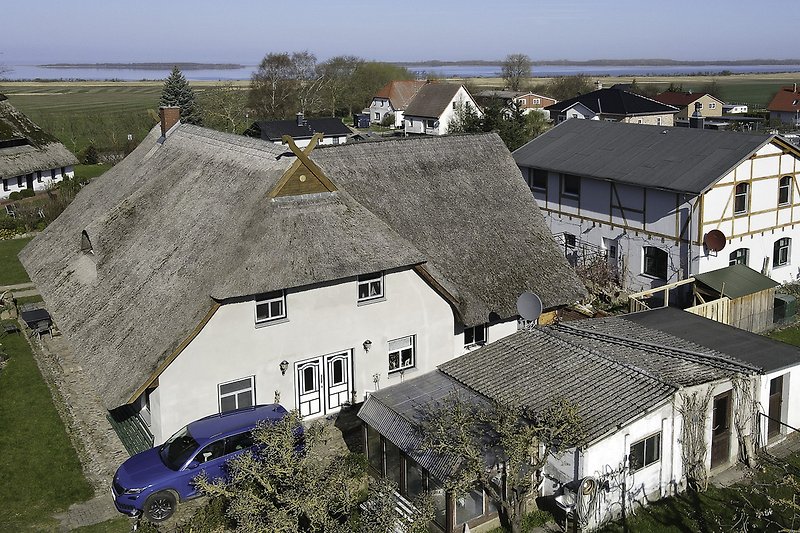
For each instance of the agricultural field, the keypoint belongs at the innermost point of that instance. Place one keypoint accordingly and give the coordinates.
(103, 113)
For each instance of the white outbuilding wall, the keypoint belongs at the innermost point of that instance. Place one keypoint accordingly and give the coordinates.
(40, 180)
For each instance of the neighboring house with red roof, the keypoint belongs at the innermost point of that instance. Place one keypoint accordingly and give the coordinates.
(435, 106)
(785, 106)
(710, 105)
(393, 98)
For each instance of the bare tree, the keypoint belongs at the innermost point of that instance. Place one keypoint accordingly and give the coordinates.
(224, 108)
(273, 87)
(338, 74)
(310, 81)
(516, 70)
(501, 448)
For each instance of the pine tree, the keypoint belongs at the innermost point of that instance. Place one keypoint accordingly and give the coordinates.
(177, 92)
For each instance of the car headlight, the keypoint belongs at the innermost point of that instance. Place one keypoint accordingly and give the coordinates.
(134, 491)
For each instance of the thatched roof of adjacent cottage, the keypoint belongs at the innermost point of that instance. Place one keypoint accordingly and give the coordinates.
(25, 147)
(181, 226)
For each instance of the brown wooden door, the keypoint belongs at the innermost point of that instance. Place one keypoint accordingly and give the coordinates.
(721, 429)
(775, 401)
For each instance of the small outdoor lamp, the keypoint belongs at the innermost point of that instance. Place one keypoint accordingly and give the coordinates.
(367, 345)
(284, 365)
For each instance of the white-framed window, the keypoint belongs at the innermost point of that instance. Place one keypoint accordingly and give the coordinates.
(271, 306)
(741, 198)
(712, 105)
(571, 185)
(476, 335)
(645, 452)
(536, 101)
(237, 394)
(370, 287)
(639, 121)
(781, 252)
(655, 262)
(401, 353)
(377, 116)
(739, 256)
(335, 140)
(19, 181)
(430, 123)
(785, 190)
(658, 121)
(698, 105)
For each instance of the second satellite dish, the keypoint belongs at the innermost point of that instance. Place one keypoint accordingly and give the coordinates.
(529, 306)
(715, 240)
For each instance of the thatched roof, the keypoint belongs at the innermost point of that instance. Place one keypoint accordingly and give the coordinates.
(25, 147)
(179, 226)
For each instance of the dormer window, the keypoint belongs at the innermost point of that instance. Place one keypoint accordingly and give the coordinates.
(271, 306)
(86, 244)
(370, 287)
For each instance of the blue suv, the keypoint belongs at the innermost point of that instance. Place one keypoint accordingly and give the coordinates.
(154, 481)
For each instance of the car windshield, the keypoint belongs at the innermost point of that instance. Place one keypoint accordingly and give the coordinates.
(177, 449)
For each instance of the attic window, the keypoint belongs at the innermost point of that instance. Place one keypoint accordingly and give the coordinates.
(86, 244)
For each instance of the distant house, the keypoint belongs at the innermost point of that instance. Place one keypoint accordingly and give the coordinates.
(614, 105)
(392, 99)
(785, 106)
(305, 277)
(648, 198)
(709, 105)
(435, 106)
(629, 377)
(29, 157)
(527, 101)
(301, 129)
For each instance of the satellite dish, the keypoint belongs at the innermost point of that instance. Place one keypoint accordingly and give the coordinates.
(529, 306)
(715, 240)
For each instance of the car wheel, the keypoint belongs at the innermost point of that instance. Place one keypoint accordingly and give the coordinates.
(160, 506)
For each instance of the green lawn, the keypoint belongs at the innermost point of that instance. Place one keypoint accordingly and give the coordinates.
(39, 468)
(117, 525)
(11, 271)
(87, 172)
(790, 335)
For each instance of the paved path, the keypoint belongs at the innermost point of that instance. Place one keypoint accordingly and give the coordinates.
(18, 287)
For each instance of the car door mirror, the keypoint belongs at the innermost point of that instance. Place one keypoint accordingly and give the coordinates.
(192, 465)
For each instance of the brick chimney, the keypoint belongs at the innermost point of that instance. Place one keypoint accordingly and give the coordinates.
(169, 115)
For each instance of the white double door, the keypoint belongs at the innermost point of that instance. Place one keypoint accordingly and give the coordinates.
(324, 384)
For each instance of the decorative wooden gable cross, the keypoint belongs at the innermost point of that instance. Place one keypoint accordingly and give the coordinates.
(304, 176)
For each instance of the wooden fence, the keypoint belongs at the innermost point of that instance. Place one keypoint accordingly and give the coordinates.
(719, 310)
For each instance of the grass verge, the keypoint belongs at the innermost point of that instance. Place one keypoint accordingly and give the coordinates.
(39, 467)
(87, 172)
(11, 271)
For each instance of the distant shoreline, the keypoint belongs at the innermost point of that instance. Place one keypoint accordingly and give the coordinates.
(146, 66)
(607, 63)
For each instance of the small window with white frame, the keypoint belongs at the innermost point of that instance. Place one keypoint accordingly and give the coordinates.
(271, 306)
(785, 190)
(237, 394)
(712, 105)
(645, 452)
(476, 335)
(571, 186)
(739, 257)
(741, 199)
(401, 353)
(370, 287)
(536, 101)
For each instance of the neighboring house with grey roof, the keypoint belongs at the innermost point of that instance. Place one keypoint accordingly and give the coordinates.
(614, 104)
(646, 198)
(30, 158)
(629, 377)
(311, 278)
(435, 106)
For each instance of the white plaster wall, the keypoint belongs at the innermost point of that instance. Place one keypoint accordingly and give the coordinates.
(320, 321)
(496, 332)
(790, 410)
(382, 106)
(49, 176)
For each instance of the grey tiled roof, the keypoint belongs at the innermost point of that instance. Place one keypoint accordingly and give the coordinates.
(679, 159)
(535, 367)
(757, 350)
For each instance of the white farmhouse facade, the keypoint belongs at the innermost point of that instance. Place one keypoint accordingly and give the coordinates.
(29, 157)
(392, 99)
(648, 198)
(435, 106)
(301, 282)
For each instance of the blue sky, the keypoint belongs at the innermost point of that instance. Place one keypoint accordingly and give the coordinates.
(242, 31)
